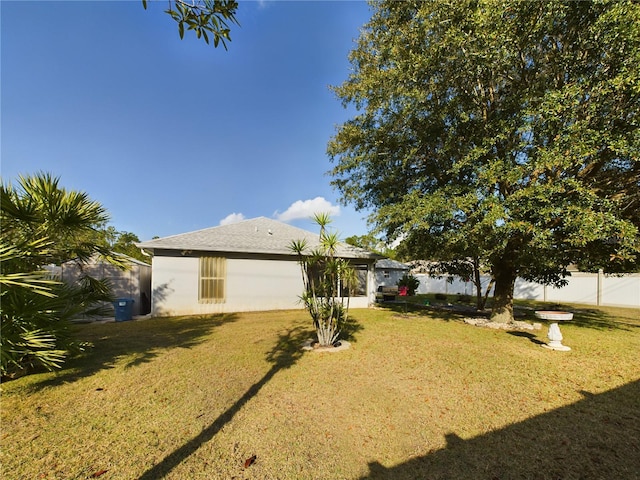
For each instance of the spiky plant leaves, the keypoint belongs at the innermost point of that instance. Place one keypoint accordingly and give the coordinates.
(326, 278)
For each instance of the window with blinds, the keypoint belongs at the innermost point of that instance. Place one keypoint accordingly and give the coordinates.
(213, 271)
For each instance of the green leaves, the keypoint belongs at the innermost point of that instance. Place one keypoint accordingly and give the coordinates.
(327, 282)
(40, 345)
(42, 224)
(38, 207)
(298, 246)
(494, 130)
(204, 18)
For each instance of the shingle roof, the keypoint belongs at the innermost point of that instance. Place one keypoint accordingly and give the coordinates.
(257, 235)
(387, 263)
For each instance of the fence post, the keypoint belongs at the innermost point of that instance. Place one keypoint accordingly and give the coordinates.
(599, 293)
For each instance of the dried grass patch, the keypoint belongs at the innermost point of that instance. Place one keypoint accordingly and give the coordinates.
(414, 397)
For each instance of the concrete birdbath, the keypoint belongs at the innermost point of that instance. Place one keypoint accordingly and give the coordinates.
(554, 335)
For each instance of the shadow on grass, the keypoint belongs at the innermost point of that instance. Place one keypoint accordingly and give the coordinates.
(284, 354)
(530, 336)
(137, 341)
(596, 437)
(433, 310)
(350, 329)
(586, 316)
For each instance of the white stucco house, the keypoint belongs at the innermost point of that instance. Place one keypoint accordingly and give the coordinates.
(389, 272)
(244, 266)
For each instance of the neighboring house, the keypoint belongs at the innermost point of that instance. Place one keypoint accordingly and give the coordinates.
(244, 266)
(133, 283)
(389, 272)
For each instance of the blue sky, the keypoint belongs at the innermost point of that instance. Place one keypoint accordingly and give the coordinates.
(173, 136)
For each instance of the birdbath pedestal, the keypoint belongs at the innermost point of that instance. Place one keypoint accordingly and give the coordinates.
(554, 335)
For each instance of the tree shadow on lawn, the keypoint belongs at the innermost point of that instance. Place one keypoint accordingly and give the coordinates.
(350, 329)
(284, 354)
(139, 341)
(446, 312)
(530, 336)
(596, 437)
(584, 316)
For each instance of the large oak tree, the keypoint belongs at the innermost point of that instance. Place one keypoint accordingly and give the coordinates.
(500, 130)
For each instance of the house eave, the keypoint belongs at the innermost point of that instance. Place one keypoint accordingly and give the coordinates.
(196, 251)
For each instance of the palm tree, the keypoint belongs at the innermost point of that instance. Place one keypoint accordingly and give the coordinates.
(40, 208)
(43, 223)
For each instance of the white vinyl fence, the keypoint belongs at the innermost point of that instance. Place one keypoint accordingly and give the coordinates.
(585, 288)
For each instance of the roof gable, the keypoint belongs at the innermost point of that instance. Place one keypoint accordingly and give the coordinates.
(257, 235)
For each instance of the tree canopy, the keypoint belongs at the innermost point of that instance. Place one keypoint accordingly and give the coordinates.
(371, 243)
(120, 242)
(505, 131)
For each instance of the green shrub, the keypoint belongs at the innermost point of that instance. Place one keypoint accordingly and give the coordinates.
(326, 279)
(409, 281)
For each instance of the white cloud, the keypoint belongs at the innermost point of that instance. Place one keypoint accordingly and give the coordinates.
(307, 208)
(232, 218)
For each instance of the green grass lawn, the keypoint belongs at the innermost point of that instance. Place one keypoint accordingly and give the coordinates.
(419, 394)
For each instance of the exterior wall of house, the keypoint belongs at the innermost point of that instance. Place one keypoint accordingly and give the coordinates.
(389, 277)
(263, 285)
(174, 286)
(250, 285)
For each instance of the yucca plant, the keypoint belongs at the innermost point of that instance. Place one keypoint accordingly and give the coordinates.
(326, 279)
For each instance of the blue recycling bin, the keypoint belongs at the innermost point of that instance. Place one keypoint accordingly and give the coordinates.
(124, 309)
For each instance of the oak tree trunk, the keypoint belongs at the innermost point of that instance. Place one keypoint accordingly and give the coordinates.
(478, 283)
(502, 311)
